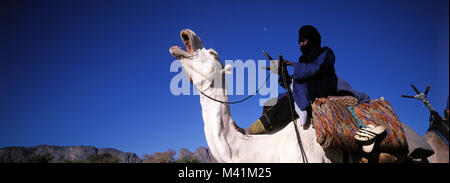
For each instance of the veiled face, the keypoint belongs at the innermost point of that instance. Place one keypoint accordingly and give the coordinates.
(302, 43)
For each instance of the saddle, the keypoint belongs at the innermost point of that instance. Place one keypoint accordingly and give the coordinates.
(336, 126)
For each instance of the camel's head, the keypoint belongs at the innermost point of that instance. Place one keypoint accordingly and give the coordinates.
(191, 42)
(200, 65)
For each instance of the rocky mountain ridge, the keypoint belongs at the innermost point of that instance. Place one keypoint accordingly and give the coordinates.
(85, 154)
(202, 153)
(64, 154)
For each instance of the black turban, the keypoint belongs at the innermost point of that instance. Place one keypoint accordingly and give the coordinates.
(309, 32)
(314, 40)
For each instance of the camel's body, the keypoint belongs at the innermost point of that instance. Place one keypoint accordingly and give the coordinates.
(229, 145)
(226, 143)
(439, 146)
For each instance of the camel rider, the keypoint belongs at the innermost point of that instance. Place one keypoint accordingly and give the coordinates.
(314, 77)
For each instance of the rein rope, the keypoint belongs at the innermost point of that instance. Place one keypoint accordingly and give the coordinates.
(227, 102)
(302, 150)
(234, 102)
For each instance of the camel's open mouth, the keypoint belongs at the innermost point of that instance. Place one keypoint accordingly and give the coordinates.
(186, 37)
(190, 41)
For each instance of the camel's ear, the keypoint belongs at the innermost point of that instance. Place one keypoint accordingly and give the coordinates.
(214, 53)
(227, 69)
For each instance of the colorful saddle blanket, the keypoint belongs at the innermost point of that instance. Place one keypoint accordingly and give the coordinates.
(336, 126)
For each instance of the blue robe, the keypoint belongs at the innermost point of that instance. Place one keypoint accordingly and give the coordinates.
(314, 79)
(343, 88)
(318, 79)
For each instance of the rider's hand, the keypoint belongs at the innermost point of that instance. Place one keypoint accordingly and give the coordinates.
(282, 61)
(288, 63)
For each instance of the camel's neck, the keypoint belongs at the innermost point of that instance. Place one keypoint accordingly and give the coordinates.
(220, 133)
(229, 145)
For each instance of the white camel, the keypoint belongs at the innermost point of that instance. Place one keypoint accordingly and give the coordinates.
(227, 144)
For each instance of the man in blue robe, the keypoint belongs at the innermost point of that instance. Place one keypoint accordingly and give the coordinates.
(314, 77)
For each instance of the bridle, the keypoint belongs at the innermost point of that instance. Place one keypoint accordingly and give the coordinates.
(224, 102)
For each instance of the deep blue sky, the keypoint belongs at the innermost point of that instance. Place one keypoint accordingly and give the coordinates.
(97, 72)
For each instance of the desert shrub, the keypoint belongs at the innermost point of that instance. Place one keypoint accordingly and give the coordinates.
(159, 157)
(188, 159)
(103, 158)
(72, 161)
(39, 158)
